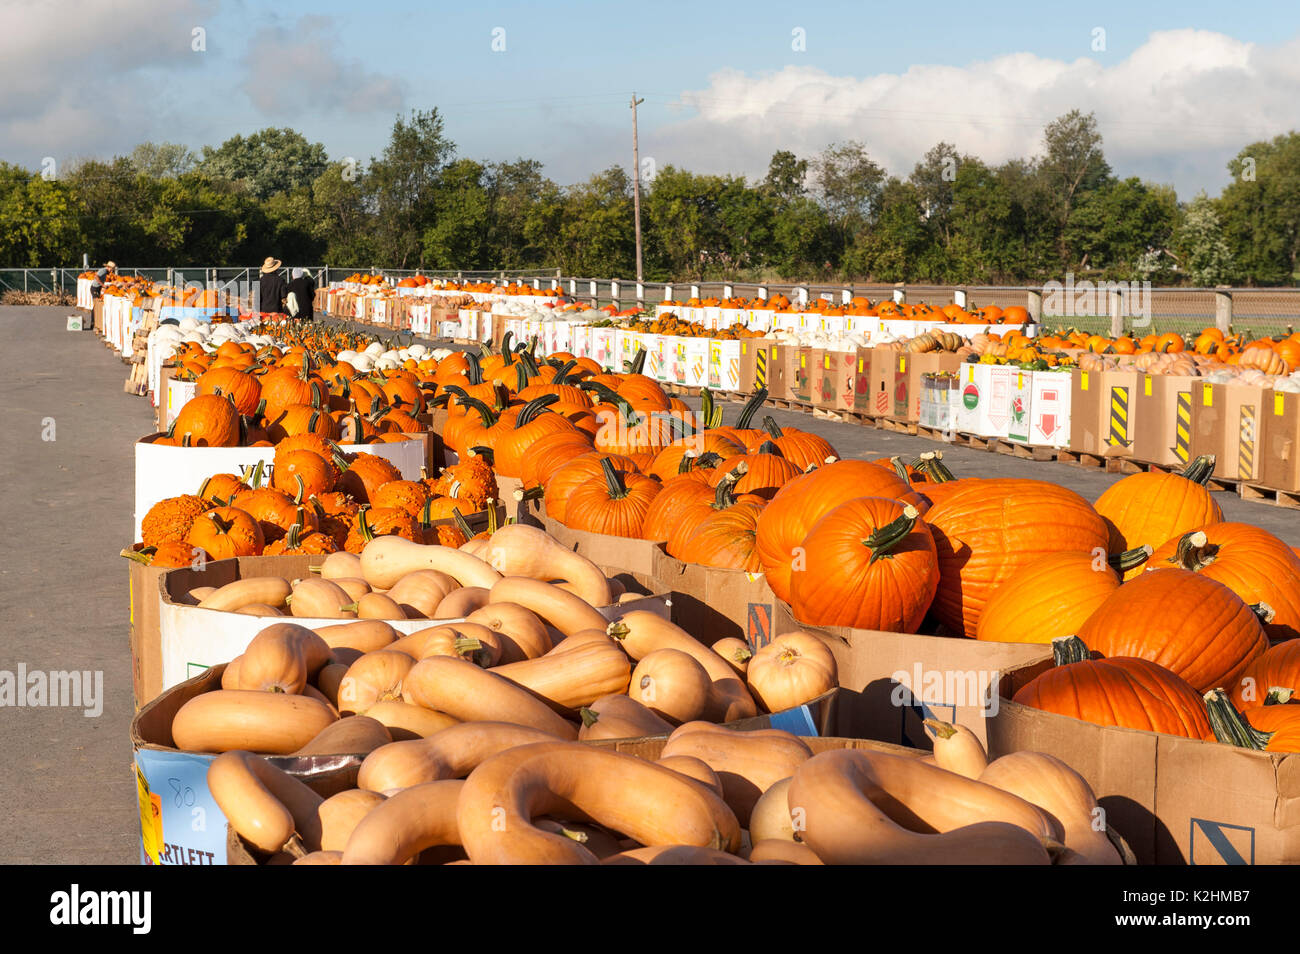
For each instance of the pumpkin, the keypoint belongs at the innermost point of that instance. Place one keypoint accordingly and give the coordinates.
(1276, 668)
(869, 564)
(800, 448)
(988, 529)
(302, 473)
(1151, 508)
(1268, 728)
(803, 501)
(170, 520)
(227, 532)
(1125, 692)
(1051, 596)
(1191, 625)
(208, 420)
(364, 475)
(1250, 561)
(614, 504)
(243, 389)
(726, 538)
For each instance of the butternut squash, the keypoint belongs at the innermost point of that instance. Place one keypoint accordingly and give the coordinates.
(794, 668)
(352, 735)
(770, 818)
(581, 637)
(379, 606)
(405, 721)
(340, 814)
(230, 675)
(398, 828)
(692, 767)
(957, 749)
(452, 753)
(863, 807)
(364, 635)
(520, 550)
(468, 693)
(320, 599)
(320, 858)
(747, 763)
(671, 684)
(1053, 786)
(420, 592)
(459, 603)
(258, 609)
(736, 652)
(274, 661)
(271, 590)
(387, 559)
(674, 855)
(565, 611)
(522, 634)
(355, 587)
(444, 641)
(569, 680)
(269, 808)
(274, 723)
(490, 641)
(646, 802)
(311, 692)
(200, 593)
(641, 632)
(595, 839)
(375, 677)
(341, 566)
(617, 716)
(781, 849)
(328, 681)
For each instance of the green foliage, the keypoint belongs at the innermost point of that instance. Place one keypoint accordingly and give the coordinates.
(834, 216)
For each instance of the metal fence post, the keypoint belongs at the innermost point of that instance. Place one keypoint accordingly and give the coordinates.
(1116, 297)
(1222, 309)
(668, 292)
(614, 293)
(900, 292)
(959, 297)
(1034, 304)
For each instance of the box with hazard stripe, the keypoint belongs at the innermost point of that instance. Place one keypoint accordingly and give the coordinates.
(697, 362)
(1162, 417)
(755, 361)
(1103, 412)
(1176, 801)
(1226, 423)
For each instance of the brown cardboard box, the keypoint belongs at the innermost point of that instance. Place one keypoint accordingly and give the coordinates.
(839, 384)
(1085, 412)
(637, 556)
(867, 385)
(1175, 800)
(801, 382)
(1116, 411)
(755, 355)
(1280, 433)
(906, 404)
(1226, 423)
(1162, 419)
(880, 386)
(905, 678)
(782, 369)
(817, 374)
(712, 603)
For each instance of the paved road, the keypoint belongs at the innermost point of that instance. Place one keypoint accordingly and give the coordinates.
(69, 792)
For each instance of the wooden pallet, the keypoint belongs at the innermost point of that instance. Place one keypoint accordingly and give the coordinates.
(1015, 449)
(1111, 465)
(1290, 499)
(896, 427)
(936, 434)
(843, 416)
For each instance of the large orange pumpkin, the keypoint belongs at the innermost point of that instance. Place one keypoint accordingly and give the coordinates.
(1152, 508)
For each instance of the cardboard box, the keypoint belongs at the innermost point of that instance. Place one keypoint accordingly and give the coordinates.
(839, 381)
(724, 365)
(1115, 410)
(1163, 419)
(817, 368)
(754, 358)
(1085, 412)
(906, 404)
(180, 823)
(783, 371)
(1280, 457)
(1175, 800)
(800, 381)
(987, 399)
(905, 678)
(716, 602)
(1226, 422)
(873, 394)
(1050, 408)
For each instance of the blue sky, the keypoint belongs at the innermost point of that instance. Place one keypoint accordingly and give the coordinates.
(1178, 88)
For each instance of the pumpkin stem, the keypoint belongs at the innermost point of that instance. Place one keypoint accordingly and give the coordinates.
(750, 408)
(1069, 649)
(1201, 470)
(532, 493)
(363, 525)
(459, 519)
(901, 469)
(1194, 551)
(683, 467)
(724, 495)
(941, 730)
(617, 630)
(1265, 612)
(1130, 559)
(492, 520)
(770, 425)
(1278, 696)
(478, 450)
(533, 408)
(589, 717)
(475, 371)
(883, 539)
(144, 555)
(936, 469)
(613, 480)
(638, 361)
(295, 532)
(709, 459)
(706, 406)
(1230, 726)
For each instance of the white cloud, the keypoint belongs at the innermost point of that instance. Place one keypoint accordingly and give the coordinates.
(302, 69)
(1174, 111)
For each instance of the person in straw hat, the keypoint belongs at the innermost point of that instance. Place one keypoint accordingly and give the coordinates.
(97, 290)
(272, 288)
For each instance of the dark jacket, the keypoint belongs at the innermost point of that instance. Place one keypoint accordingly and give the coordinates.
(304, 289)
(272, 289)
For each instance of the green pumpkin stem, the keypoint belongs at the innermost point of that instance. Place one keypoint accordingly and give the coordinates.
(1130, 559)
(589, 716)
(750, 408)
(1200, 470)
(935, 468)
(478, 450)
(1278, 696)
(724, 495)
(613, 480)
(773, 428)
(900, 469)
(638, 361)
(363, 524)
(535, 407)
(459, 519)
(883, 539)
(706, 406)
(1069, 649)
(1230, 726)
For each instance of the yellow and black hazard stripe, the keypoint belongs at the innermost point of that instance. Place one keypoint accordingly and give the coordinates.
(760, 368)
(1246, 443)
(1183, 435)
(1119, 404)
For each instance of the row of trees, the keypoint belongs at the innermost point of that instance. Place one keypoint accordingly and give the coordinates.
(834, 216)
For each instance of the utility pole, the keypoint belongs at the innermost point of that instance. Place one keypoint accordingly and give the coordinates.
(636, 186)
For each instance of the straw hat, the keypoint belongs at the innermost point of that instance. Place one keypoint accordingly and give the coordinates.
(111, 266)
(271, 265)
